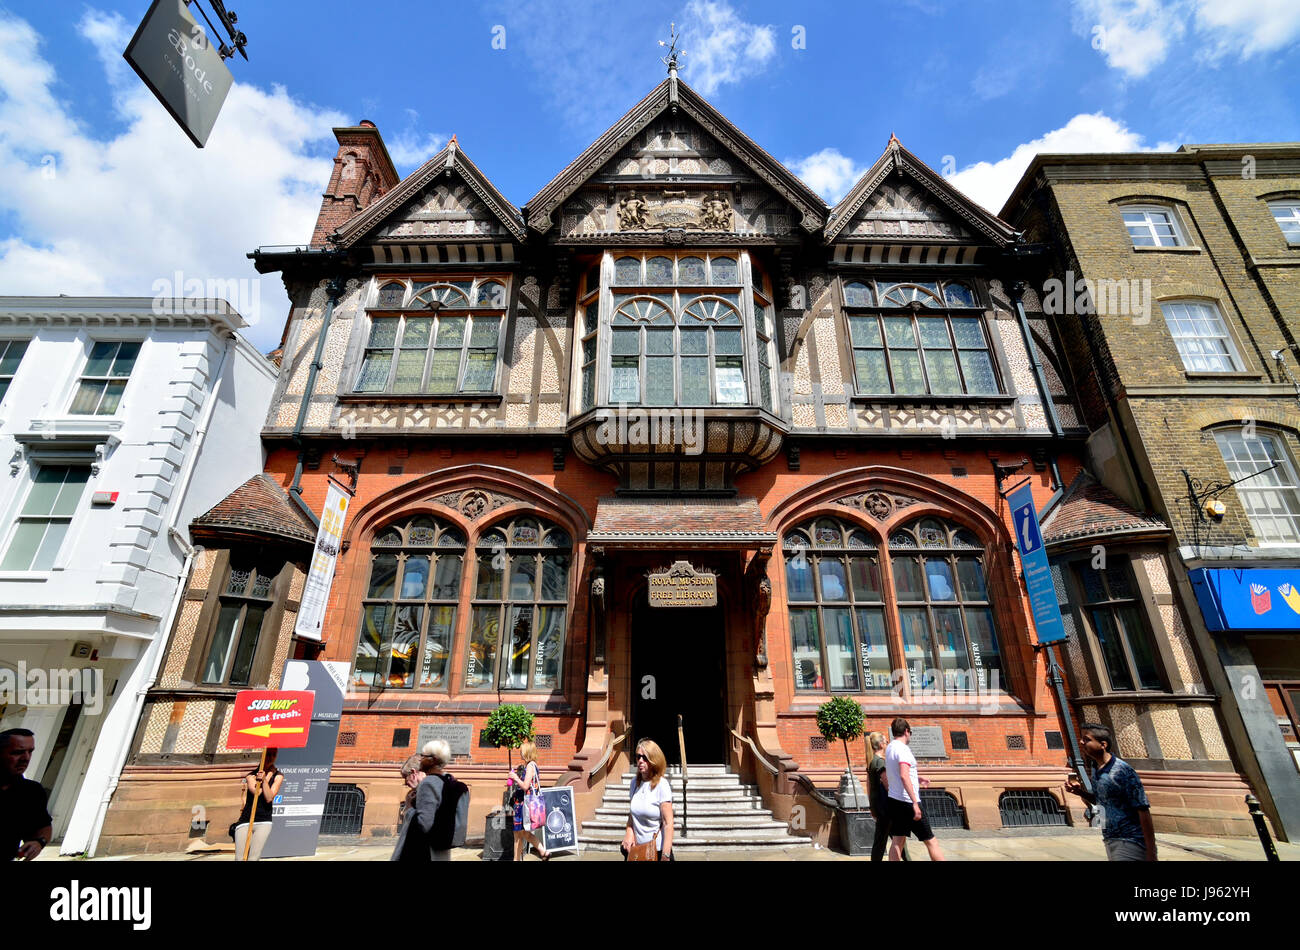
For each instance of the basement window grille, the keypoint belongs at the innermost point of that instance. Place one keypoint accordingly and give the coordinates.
(1030, 807)
(1054, 740)
(542, 741)
(401, 738)
(1015, 742)
(347, 738)
(344, 807)
(816, 744)
(960, 741)
(941, 808)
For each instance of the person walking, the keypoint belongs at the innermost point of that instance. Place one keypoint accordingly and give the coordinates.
(1128, 832)
(439, 817)
(411, 777)
(261, 786)
(25, 825)
(904, 786)
(529, 783)
(650, 817)
(878, 797)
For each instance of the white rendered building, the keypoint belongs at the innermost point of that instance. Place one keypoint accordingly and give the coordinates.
(121, 420)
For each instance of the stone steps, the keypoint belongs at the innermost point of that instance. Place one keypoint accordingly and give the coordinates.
(720, 814)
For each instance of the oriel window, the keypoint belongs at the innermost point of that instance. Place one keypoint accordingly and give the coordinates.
(244, 604)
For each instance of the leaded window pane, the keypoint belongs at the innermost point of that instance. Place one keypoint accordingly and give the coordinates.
(410, 371)
(383, 332)
(374, 372)
(978, 369)
(443, 371)
(725, 271)
(908, 377)
(659, 381)
(805, 640)
(690, 270)
(480, 371)
(873, 377)
(841, 656)
(832, 580)
(941, 366)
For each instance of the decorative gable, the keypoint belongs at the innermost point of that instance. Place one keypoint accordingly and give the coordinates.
(903, 209)
(674, 177)
(446, 209)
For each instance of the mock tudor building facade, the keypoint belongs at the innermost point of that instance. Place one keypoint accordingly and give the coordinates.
(1185, 341)
(673, 368)
(121, 420)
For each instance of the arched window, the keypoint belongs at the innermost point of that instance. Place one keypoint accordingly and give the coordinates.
(679, 334)
(408, 617)
(841, 604)
(837, 613)
(517, 620)
(943, 602)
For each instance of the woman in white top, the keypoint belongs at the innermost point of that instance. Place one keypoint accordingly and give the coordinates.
(651, 813)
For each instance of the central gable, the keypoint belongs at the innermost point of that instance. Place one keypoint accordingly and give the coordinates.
(446, 208)
(902, 208)
(674, 178)
(677, 165)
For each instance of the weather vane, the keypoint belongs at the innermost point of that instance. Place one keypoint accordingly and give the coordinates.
(673, 52)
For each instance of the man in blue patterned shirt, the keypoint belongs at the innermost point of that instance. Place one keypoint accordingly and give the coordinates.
(1128, 833)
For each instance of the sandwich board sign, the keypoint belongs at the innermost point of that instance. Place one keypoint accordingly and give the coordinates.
(181, 66)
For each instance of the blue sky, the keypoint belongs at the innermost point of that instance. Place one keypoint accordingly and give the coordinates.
(106, 195)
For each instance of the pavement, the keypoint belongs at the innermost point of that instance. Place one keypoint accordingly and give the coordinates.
(1019, 845)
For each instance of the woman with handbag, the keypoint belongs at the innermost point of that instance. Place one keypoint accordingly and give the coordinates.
(530, 808)
(649, 835)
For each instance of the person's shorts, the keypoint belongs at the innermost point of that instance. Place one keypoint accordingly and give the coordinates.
(903, 823)
(1121, 849)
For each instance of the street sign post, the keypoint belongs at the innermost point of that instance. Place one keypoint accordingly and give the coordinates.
(1038, 574)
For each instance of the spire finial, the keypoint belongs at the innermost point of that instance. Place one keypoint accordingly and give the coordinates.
(673, 52)
(894, 142)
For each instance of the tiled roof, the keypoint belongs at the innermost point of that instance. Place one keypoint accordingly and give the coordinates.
(679, 519)
(259, 506)
(1089, 509)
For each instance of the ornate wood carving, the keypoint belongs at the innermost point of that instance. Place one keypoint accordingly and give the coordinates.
(878, 504)
(474, 503)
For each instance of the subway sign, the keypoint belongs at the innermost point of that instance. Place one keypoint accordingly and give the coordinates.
(1248, 599)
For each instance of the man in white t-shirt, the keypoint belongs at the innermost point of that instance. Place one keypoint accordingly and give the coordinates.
(905, 795)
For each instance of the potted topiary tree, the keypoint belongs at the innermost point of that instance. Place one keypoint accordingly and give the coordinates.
(841, 720)
(509, 726)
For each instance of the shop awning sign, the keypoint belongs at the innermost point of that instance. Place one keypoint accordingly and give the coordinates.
(683, 586)
(1248, 599)
(270, 718)
(182, 67)
(1038, 574)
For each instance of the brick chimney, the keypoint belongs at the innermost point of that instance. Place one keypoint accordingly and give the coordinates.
(363, 172)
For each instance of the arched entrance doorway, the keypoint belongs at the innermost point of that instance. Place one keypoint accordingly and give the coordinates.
(677, 669)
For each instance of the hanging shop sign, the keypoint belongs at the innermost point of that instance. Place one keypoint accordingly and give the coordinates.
(1248, 599)
(316, 592)
(182, 67)
(1038, 575)
(683, 586)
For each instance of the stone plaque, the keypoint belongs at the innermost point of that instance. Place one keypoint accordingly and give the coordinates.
(682, 586)
(457, 735)
(927, 742)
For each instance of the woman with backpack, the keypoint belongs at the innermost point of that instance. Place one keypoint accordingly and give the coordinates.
(526, 786)
(439, 818)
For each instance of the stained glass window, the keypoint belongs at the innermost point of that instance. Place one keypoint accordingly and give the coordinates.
(409, 611)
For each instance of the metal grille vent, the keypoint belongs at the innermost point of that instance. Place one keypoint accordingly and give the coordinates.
(1030, 807)
(1015, 742)
(959, 471)
(344, 807)
(347, 738)
(941, 808)
(816, 744)
(542, 741)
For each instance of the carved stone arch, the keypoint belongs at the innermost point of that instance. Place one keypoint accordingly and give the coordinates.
(436, 491)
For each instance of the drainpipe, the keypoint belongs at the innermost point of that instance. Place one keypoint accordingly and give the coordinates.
(334, 290)
(1040, 379)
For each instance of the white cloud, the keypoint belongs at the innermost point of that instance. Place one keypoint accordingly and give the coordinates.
(827, 172)
(1136, 36)
(111, 215)
(991, 183)
(720, 47)
(409, 149)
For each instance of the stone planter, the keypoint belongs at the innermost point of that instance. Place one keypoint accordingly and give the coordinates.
(857, 830)
(499, 836)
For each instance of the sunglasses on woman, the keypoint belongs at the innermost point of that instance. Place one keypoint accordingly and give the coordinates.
(642, 758)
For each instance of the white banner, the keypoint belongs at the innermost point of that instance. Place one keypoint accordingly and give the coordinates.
(316, 592)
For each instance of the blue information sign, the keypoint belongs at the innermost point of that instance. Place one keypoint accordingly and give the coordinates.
(1038, 575)
(1248, 598)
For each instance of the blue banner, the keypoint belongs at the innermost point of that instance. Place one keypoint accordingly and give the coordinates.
(1248, 599)
(1038, 575)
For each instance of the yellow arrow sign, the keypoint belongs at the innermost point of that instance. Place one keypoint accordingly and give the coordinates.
(265, 731)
